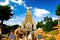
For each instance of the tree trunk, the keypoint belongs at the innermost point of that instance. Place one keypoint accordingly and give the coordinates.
(1, 29)
(2, 24)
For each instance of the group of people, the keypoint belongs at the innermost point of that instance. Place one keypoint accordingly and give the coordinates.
(12, 36)
(16, 35)
(19, 34)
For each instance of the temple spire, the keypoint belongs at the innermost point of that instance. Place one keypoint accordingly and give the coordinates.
(28, 16)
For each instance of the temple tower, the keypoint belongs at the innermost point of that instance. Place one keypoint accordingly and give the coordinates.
(28, 23)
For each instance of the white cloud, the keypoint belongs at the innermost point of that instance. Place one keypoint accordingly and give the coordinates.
(4, 3)
(12, 7)
(20, 2)
(54, 18)
(40, 12)
(25, 5)
(13, 21)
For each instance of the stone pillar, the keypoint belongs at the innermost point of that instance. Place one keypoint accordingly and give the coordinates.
(22, 24)
(23, 37)
(32, 35)
(58, 19)
(26, 36)
(34, 25)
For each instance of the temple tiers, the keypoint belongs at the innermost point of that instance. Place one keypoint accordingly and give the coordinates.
(28, 17)
(28, 23)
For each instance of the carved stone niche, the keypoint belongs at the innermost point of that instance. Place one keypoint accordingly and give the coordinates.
(28, 25)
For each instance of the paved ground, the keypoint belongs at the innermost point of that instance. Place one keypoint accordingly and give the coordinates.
(3, 39)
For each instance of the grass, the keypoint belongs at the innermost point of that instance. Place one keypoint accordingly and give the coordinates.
(54, 32)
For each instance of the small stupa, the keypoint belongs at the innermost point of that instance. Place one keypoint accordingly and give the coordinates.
(40, 31)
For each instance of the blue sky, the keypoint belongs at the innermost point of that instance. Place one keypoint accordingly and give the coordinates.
(39, 9)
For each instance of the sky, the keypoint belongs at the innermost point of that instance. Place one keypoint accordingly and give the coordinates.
(39, 9)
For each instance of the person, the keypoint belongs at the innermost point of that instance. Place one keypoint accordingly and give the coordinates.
(40, 37)
(0, 34)
(11, 36)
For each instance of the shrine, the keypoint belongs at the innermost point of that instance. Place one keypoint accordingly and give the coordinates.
(27, 27)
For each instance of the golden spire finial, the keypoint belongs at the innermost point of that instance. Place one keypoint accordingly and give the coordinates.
(28, 7)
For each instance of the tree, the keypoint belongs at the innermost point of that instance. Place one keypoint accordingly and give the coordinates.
(58, 13)
(5, 13)
(46, 19)
(39, 24)
(58, 10)
(6, 29)
(14, 27)
(55, 22)
(48, 26)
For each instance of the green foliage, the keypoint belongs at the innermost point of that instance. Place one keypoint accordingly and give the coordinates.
(58, 6)
(55, 22)
(49, 24)
(46, 19)
(7, 29)
(53, 32)
(49, 38)
(46, 37)
(39, 24)
(14, 27)
(5, 12)
(52, 38)
(58, 10)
